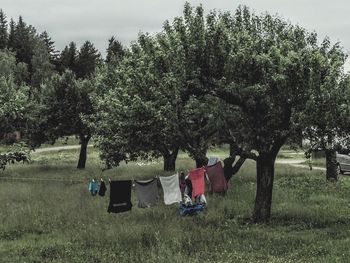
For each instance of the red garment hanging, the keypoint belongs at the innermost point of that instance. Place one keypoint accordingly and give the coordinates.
(218, 183)
(197, 179)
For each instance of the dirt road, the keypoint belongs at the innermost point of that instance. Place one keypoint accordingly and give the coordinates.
(58, 148)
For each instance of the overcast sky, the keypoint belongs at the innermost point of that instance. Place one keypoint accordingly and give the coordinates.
(98, 20)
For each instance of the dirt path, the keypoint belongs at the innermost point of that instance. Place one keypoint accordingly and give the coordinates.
(299, 163)
(57, 148)
(292, 162)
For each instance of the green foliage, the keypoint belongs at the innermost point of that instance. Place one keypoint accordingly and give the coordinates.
(42, 69)
(50, 46)
(137, 116)
(9, 67)
(13, 99)
(142, 109)
(3, 30)
(14, 107)
(327, 108)
(23, 39)
(115, 51)
(87, 60)
(68, 58)
(18, 153)
(66, 99)
(11, 37)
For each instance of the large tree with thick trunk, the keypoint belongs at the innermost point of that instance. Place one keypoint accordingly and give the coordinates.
(260, 72)
(267, 71)
(142, 110)
(137, 114)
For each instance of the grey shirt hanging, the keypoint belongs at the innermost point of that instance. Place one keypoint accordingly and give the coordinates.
(147, 193)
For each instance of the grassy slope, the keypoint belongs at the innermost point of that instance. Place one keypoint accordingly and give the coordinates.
(50, 221)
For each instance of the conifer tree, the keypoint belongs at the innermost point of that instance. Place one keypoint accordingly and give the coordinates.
(68, 58)
(11, 36)
(115, 50)
(22, 42)
(87, 61)
(3, 30)
(50, 45)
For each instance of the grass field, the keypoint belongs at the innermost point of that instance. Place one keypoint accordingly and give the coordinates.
(44, 219)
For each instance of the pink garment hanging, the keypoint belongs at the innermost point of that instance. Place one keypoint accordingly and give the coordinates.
(197, 179)
(218, 183)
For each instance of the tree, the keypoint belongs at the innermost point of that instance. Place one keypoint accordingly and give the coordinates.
(115, 50)
(87, 61)
(270, 68)
(142, 111)
(11, 36)
(23, 42)
(328, 110)
(9, 67)
(261, 70)
(13, 108)
(42, 69)
(137, 116)
(3, 30)
(66, 100)
(68, 58)
(50, 46)
(164, 121)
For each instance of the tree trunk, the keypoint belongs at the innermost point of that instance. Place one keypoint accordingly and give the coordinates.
(265, 169)
(84, 140)
(331, 164)
(233, 149)
(170, 160)
(230, 169)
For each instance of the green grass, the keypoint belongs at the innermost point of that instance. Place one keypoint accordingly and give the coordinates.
(58, 221)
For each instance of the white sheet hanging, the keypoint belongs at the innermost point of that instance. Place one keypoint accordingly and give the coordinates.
(171, 188)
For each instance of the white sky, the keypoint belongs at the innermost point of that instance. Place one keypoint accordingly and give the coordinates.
(98, 20)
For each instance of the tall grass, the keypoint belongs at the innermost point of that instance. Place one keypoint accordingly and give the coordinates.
(59, 221)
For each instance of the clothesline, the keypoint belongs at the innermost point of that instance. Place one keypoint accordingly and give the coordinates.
(9, 178)
(40, 179)
(70, 181)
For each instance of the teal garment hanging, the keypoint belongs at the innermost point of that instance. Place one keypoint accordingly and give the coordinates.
(93, 187)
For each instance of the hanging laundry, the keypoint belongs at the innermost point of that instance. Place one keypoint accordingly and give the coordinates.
(197, 179)
(212, 161)
(103, 188)
(200, 199)
(187, 200)
(93, 187)
(218, 183)
(171, 189)
(147, 193)
(120, 196)
(182, 182)
(188, 188)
